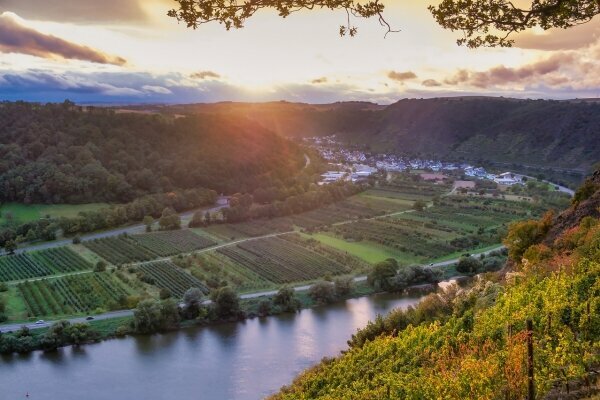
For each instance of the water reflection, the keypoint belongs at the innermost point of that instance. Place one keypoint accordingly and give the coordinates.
(237, 361)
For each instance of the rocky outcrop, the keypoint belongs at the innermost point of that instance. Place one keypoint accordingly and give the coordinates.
(574, 214)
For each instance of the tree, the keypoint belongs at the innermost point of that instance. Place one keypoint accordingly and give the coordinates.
(286, 299)
(264, 308)
(381, 274)
(343, 285)
(100, 266)
(419, 205)
(148, 221)
(192, 300)
(147, 317)
(76, 239)
(482, 22)
(169, 220)
(468, 265)
(227, 302)
(322, 292)
(523, 234)
(10, 246)
(197, 220)
(164, 294)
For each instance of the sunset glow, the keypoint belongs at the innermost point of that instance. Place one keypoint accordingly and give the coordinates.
(138, 54)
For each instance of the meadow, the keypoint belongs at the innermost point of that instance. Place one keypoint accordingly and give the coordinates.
(32, 212)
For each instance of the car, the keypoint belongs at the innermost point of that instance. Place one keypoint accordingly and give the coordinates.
(89, 318)
(40, 322)
(431, 264)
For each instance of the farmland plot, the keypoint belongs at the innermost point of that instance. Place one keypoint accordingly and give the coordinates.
(73, 294)
(280, 261)
(41, 263)
(167, 275)
(173, 242)
(119, 250)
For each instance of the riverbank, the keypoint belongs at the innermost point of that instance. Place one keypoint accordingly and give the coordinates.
(26, 340)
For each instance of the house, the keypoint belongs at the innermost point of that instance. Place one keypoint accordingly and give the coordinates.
(508, 179)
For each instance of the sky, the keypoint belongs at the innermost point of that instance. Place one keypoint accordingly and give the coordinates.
(130, 51)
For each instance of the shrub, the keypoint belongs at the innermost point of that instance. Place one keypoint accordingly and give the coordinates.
(322, 292)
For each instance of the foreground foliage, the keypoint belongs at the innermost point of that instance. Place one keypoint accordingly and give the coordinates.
(472, 343)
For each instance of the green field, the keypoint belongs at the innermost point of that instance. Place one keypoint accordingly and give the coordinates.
(369, 252)
(32, 212)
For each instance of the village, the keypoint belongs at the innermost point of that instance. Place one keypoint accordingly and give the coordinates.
(357, 165)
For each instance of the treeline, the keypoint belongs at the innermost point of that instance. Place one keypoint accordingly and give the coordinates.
(243, 207)
(89, 221)
(61, 153)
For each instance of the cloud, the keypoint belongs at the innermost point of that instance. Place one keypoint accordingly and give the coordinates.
(575, 37)
(80, 10)
(205, 75)
(401, 76)
(431, 83)
(16, 38)
(316, 81)
(501, 75)
(156, 89)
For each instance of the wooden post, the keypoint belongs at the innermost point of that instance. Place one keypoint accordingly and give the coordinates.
(530, 377)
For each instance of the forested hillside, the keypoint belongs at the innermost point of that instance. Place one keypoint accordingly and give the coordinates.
(61, 153)
(472, 343)
(549, 133)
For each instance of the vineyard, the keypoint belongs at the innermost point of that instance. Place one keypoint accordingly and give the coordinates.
(166, 275)
(173, 242)
(280, 261)
(452, 225)
(342, 257)
(120, 250)
(218, 270)
(41, 263)
(73, 294)
(250, 229)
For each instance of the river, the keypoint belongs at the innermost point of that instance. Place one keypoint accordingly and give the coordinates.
(239, 361)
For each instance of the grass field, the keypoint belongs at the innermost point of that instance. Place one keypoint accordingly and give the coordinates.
(369, 252)
(32, 212)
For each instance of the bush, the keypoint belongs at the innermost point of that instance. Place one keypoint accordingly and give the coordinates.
(286, 299)
(468, 265)
(100, 266)
(264, 308)
(227, 302)
(382, 273)
(322, 292)
(343, 285)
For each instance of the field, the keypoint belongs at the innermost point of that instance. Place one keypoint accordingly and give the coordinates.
(173, 242)
(216, 269)
(166, 275)
(281, 261)
(343, 238)
(454, 225)
(73, 294)
(120, 250)
(41, 263)
(31, 212)
(242, 230)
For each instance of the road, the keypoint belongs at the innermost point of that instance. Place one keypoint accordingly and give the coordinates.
(127, 313)
(222, 202)
(563, 189)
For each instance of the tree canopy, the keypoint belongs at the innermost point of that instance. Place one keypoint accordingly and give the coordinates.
(483, 22)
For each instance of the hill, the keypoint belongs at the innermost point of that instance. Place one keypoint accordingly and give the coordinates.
(473, 342)
(539, 133)
(61, 153)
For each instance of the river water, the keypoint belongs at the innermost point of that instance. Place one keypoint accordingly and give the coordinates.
(240, 361)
